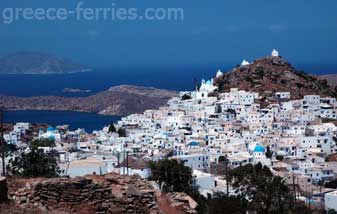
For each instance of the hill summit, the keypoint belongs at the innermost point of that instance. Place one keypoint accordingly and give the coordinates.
(273, 74)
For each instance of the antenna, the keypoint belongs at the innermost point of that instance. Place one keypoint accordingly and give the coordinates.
(196, 85)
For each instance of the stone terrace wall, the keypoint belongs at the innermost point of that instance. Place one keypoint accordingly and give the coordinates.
(108, 194)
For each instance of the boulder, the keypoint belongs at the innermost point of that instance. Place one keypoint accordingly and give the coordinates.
(132, 190)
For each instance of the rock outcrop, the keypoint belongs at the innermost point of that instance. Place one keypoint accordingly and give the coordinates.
(272, 74)
(331, 78)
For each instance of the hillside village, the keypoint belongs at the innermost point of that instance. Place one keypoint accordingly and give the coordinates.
(295, 137)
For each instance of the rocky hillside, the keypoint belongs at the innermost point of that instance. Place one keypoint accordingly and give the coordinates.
(118, 100)
(38, 63)
(331, 78)
(272, 74)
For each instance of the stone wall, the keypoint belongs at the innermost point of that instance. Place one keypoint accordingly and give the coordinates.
(108, 195)
(111, 193)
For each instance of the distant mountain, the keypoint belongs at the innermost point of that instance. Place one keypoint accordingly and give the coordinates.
(38, 63)
(272, 74)
(118, 100)
(331, 78)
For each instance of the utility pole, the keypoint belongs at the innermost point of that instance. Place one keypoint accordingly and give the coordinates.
(118, 157)
(227, 185)
(294, 188)
(2, 142)
(226, 175)
(320, 195)
(124, 159)
(127, 163)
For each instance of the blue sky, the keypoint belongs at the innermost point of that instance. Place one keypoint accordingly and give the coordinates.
(213, 32)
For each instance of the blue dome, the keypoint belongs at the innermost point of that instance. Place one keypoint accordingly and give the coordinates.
(50, 128)
(259, 148)
(208, 82)
(193, 143)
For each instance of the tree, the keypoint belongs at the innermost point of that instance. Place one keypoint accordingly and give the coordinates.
(224, 160)
(174, 176)
(186, 97)
(10, 148)
(332, 211)
(121, 132)
(171, 175)
(112, 128)
(300, 207)
(269, 153)
(43, 142)
(266, 193)
(220, 203)
(335, 91)
(279, 157)
(331, 184)
(35, 163)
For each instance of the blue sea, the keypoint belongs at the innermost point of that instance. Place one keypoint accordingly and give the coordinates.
(101, 79)
(179, 79)
(87, 121)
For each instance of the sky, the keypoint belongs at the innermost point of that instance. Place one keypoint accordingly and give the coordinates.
(215, 32)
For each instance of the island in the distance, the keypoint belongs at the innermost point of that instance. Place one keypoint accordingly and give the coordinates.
(117, 100)
(75, 90)
(38, 63)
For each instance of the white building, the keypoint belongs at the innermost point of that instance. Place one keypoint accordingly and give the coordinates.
(274, 53)
(218, 74)
(330, 201)
(205, 182)
(244, 63)
(195, 161)
(88, 166)
(282, 95)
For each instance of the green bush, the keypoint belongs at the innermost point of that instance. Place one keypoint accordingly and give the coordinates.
(35, 163)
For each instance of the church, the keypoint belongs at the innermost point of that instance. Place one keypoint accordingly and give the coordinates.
(205, 88)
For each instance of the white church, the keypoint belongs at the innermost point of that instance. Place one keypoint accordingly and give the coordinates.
(275, 53)
(205, 88)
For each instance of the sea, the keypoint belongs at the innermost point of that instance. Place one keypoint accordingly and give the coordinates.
(171, 78)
